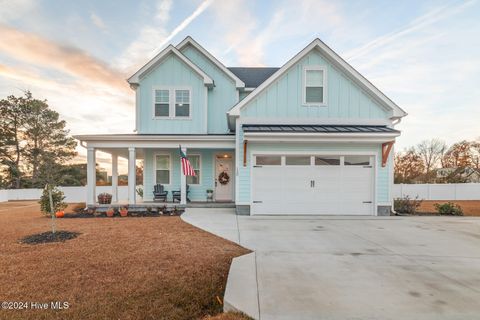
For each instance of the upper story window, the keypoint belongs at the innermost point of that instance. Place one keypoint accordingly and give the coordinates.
(171, 103)
(182, 103)
(315, 86)
(162, 103)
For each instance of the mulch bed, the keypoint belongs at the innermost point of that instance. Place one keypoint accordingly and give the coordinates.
(86, 214)
(46, 237)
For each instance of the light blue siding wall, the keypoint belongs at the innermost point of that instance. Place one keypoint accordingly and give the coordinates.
(383, 180)
(283, 99)
(197, 192)
(222, 97)
(172, 72)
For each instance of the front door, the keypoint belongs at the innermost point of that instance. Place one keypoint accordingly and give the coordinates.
(224, 173)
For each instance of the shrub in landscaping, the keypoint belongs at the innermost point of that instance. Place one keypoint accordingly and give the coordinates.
(406, 205)
(449, 208)
(57, 200)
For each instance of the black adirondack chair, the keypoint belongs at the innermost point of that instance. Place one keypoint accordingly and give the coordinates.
(159, 193)
(177, 195)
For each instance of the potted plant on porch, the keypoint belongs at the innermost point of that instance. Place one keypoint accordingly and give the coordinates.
(110, 212)
(209, 195)
(123, 211)
(104, 198)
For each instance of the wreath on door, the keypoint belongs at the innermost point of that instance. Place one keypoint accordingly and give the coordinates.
(223, 178)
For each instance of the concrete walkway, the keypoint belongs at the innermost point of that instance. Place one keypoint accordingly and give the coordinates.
(351, 267)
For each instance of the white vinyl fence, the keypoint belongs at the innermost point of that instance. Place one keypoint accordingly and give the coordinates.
(3, 195)
(72, 194)
(451, 191)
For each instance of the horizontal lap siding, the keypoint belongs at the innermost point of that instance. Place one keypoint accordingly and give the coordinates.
(243, 172)
(197, 192)
(149, 175)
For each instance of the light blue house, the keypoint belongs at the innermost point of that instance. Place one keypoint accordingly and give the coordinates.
(311, 137)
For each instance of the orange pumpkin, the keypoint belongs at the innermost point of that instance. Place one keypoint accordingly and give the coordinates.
(60, 214)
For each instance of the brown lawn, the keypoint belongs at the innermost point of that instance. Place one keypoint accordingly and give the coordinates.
(470, 207)
(118, 268)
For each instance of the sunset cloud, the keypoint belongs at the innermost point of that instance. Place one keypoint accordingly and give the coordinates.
(33, 49)
(424, 55)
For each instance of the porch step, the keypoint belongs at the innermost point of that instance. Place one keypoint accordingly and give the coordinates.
(211, 205)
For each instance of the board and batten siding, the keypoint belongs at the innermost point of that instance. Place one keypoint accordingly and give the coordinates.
(284, 97)
(383, 179)
(197, 192)
(172, 72)
(222, 97)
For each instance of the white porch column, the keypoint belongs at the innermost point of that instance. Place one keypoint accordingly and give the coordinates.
(114, 177)
(131, 175)
(183, 182)
(91, 177)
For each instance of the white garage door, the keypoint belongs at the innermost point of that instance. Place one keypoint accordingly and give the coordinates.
(312, 184)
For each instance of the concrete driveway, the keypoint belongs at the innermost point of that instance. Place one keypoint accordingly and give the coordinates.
(352, 267)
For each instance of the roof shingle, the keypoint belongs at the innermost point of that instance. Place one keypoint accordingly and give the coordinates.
(253, 76)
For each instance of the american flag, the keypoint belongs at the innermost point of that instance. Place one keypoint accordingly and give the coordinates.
(186, 166)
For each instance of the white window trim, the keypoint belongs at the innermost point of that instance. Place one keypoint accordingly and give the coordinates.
(171, 102)
(325, 86)
(169, 169)
(200, 168)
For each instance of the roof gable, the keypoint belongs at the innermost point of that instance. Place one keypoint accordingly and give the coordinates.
(135, 78)
(337, 61)
(189, 41)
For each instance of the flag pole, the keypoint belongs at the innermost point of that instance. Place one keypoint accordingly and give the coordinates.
(183, 178)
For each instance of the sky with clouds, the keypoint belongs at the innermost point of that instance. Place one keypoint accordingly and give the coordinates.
(425, 55)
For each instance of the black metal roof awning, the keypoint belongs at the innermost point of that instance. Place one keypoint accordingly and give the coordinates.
(316, 128)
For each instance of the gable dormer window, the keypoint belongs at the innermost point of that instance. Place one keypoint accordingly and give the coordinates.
(314, 91)
(171, 102)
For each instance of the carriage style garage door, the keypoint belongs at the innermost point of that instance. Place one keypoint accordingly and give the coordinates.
(313, 184)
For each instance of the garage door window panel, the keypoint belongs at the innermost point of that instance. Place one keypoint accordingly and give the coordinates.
(297, 160)
(327, 161)
(357, 160)
(268, 160)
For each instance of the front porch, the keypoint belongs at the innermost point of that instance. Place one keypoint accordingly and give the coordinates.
(209, 155)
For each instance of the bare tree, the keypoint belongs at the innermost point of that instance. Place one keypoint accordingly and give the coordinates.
(431, 152)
